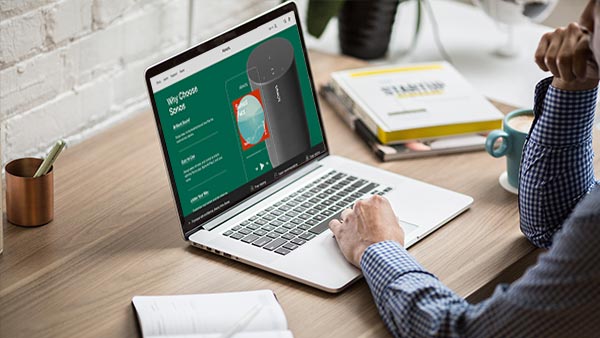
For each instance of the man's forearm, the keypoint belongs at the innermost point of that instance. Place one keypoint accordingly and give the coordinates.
(412, 302)
(557, 167)
(558, 297)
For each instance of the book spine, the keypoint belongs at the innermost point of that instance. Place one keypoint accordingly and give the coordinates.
(363, 132)
(382, 152)
(353, 107)
(342, 111)
(431, 133)
(351, 120)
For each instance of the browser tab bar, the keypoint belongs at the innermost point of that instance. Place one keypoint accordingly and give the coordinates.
(227, 49)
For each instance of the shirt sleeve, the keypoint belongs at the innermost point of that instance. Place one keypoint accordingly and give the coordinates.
(557, 164)
(558, 297)
(412, 302)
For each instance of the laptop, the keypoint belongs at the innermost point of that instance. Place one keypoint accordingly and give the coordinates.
(247, 157)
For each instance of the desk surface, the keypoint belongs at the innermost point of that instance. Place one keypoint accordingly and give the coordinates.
(116, 235)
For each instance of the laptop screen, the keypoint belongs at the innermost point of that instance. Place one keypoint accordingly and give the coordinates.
(237, 117)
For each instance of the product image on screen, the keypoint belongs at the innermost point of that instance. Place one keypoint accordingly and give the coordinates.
(250, 119)
(272, 70)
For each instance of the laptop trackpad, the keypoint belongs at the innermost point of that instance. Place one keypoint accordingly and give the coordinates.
(425, 205)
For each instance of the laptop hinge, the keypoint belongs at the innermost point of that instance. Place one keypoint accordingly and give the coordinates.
(260, 196)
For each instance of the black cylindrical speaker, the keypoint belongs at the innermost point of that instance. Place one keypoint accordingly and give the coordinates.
(272, 69)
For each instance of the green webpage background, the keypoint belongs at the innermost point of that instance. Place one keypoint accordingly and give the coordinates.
(203, 142)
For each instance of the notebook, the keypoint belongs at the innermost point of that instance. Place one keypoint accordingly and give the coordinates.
(249, 314)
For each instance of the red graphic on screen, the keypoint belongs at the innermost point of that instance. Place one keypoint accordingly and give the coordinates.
(250, 118)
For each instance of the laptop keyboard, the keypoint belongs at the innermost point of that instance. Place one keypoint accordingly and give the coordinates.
(304, 214)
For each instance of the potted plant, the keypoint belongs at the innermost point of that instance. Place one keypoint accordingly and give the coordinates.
(365, 26)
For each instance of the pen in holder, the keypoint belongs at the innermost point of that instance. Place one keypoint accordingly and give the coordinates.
(29, 200)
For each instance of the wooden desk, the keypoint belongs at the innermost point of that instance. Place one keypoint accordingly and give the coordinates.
(116, 235)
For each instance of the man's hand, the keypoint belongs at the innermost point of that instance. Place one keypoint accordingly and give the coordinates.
(371, 221)
(566, 53)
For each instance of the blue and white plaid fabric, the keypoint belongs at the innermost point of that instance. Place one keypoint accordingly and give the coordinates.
(560, 295)
(557, 165)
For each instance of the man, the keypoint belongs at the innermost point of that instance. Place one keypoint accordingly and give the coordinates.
(560, 209)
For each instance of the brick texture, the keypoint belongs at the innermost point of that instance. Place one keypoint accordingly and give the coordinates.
(20, 36)
(71, 68)
(68, 19)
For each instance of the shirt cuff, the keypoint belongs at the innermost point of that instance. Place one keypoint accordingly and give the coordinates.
(563, 118)
(384, 262)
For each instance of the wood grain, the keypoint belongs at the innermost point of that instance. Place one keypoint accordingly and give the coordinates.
(116, 234)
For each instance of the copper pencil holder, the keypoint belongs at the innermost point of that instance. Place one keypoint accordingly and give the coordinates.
(29, 201)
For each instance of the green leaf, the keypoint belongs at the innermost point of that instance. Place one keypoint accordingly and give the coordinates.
(319, 14)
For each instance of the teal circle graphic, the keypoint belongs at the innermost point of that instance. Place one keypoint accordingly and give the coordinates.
(251, 119)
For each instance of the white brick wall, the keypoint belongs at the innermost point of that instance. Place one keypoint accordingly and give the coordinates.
(21, 36)
(68, 19)
(71, 68)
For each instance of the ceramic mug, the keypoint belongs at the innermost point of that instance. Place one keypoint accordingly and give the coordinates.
(515, 128)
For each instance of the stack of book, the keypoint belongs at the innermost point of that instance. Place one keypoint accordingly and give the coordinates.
(412, 110)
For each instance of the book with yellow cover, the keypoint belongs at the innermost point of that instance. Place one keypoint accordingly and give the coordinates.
(403, 103)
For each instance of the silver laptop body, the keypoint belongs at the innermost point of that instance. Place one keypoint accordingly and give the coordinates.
(247, 157)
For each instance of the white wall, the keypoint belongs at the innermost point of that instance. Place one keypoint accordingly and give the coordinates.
(566, 11)
(71, 68)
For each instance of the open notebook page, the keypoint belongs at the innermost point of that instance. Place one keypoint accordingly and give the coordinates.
(253, 334)
(208, 313)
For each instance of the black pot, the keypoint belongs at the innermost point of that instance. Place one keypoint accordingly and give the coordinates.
(365, 27)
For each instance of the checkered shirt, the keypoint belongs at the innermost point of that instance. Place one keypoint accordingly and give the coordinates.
(557, 166)
(560, 295)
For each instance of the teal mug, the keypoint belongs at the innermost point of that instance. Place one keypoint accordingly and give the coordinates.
(515, 128)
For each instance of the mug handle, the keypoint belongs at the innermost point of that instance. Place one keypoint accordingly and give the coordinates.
(491, 139)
